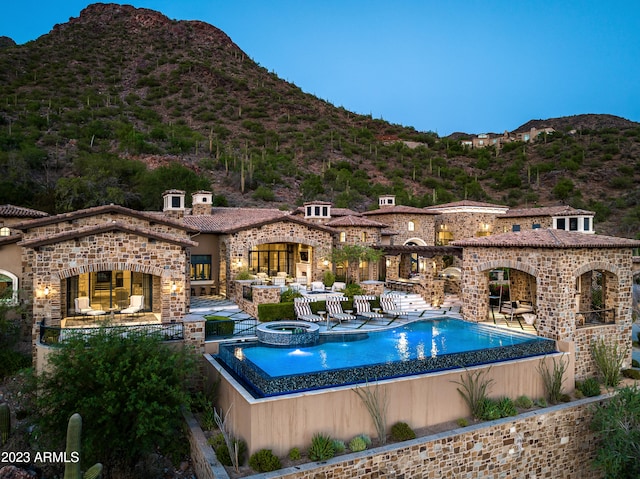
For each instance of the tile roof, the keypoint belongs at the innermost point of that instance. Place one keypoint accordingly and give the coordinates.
(334, 211)
(355, 221)
(463, 203)
(151, 216)
(231, 220)
(561, 210)
(400, 209)
(11, 211)
(548, 238)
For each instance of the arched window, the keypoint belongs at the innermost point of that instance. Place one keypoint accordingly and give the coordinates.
(343, 236)
(8, 286)
(4, 231)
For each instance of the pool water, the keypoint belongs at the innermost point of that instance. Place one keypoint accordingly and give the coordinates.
(414, 348)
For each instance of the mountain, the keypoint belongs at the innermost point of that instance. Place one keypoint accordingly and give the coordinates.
(122, 103)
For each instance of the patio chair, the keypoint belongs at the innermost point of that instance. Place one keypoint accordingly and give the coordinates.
(317, 286)
(303, 310)
(514, 310)
(136, 305)
(362, 306)
(83, 307)
(338, 286)
(390, 308)
(334, 309)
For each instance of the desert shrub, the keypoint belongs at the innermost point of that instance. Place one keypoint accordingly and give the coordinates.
(401, 431)
(222, 451)
(590, 387)
(524, 402)
(141, 383)
(474, 389)
(339, 446)
(294, 454)
(322, 447)
(617, 424)
(489, 410)
(506, 407)
(631, 373)
(608, 359)
(12, 361)
(552, 378)
(462, 422)
(264, 461)
(541, 402)
(357, 444)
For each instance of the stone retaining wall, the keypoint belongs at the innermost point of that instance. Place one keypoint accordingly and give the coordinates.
(552, 442)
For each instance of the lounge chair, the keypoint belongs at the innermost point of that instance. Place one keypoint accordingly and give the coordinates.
(136, 304)
(334, 309)
(338, 286)
(363, 308)
(514, 310)
(83, 307)
(303, 310)
(390, 308)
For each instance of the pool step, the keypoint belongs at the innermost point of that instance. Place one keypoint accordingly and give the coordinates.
(411, 302)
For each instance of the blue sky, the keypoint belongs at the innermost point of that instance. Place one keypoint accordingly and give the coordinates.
(444, 66)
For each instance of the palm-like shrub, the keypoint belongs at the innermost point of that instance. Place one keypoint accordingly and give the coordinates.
(608, 359)
(322, 447)
(474, 388)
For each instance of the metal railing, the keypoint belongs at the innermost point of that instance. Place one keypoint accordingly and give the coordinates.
(221, 329)
(596, 316)
(167, 332)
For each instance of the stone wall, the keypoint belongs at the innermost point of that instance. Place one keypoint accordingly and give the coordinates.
(260, 295)
(465, 225)
(556, 272)
(424, 227)
(505, 225)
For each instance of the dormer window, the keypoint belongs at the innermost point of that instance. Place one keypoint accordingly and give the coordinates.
(317, 210)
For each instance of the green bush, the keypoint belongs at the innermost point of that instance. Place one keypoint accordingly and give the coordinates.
(288, 295)
(294, 454)
(275, 312)
(357, 444)
(243, 275)
(590, 387)
(401, 431)
(608, 359)
(352, 290)
(328, 278)
(631, 373)
(474, 389)
(322, 447)
(490, 409)
(141, 383)
(264, 461)
(506, 407)
(218, 326)
(462, 422)
(616, 423)
(12, 361)
(223, 455)
(339, 446)
(524, 402)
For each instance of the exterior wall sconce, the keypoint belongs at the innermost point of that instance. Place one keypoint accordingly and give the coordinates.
(325, 262)
(174, 287)
(388, 262)
(46, 291)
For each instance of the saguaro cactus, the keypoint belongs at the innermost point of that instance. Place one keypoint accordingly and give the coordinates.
(5, 422)
(72, 468)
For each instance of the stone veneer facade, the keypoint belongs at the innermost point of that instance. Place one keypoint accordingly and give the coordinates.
(464, 225)
(555, 272)
(423, 233)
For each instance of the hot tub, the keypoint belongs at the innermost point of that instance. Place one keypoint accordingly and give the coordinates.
(288, 333)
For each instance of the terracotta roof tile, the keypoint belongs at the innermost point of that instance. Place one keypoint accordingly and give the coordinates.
(548, 238)
(11, 211)
(355, 221)
(223, 219)
(462, 203)
(547, 211)
(386, 210)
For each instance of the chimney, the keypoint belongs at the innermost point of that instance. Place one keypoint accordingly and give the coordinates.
(386, 200)
(173, 201)
(201, 202)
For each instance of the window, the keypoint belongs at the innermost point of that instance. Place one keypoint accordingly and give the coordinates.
(587, 224)
(363, 236)
(561, 224)
(535, 226)
(573, 224)
(325, 211)
(175, 202)
(309, 210)
(343, 237)
(411, 226)
(200, 267)
(515, 228)
(4, 231)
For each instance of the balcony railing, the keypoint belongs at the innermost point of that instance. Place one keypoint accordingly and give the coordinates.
(167, 332)
(220, 329)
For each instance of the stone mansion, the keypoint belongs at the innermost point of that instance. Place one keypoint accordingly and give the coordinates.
(109, 253)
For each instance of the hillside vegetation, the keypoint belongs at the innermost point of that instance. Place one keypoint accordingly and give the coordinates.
(119, 104)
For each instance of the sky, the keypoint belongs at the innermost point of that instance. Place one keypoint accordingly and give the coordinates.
(444, 66)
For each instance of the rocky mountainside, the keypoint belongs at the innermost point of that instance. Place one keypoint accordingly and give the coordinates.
(121, 103)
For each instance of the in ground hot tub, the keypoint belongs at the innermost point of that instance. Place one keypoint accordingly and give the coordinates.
(288, 333)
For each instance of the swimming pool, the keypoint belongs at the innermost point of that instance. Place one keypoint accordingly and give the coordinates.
(350, 358)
